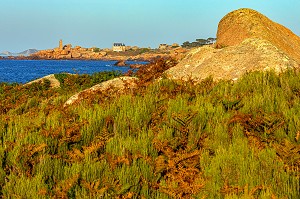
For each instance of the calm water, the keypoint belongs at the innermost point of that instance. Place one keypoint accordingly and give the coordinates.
(22, 71)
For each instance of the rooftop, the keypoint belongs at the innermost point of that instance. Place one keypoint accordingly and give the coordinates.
(118, 44)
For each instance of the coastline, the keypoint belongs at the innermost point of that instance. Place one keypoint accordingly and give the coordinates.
(79, 53)
(147, 58)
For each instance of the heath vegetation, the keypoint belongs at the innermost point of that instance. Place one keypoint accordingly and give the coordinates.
(165, 139)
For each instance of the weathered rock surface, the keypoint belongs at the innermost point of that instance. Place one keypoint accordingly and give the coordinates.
(54, 83)
(240, 24)
(76, 55)
(247, 41)
(231, 62)
(117, 84)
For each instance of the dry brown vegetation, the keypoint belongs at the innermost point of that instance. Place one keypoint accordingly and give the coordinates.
(165, 139)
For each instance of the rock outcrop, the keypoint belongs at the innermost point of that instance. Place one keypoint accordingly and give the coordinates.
(246, 41)
(54, 83)
(241, 24)
(231, 62)
(67, 52)
(117, 84)
(121, 63)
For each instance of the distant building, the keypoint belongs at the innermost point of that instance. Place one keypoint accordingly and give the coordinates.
(119, 47)
(167, 47)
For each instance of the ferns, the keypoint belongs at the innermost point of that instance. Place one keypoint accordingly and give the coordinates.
(164, 140)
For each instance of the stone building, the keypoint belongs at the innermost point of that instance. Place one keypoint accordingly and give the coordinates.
(119, 47)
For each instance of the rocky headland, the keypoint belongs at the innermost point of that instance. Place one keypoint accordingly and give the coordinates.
(131, 53)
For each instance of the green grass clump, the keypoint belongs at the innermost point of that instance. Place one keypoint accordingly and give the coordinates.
(163, 140)
(72, 82)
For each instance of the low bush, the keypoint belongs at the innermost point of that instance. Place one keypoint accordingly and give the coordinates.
(167, 140)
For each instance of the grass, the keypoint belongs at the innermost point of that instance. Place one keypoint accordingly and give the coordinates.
(166, 139)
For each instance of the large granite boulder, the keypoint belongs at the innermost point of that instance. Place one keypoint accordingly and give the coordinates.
(241, 24)
(231, 62)
(246, 41)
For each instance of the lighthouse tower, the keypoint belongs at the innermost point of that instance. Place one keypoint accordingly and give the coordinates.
(60, 44)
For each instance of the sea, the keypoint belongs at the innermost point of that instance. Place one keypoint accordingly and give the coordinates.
(22, 71)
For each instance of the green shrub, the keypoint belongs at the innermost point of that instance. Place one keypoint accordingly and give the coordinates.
(96, 50)
(164, 140)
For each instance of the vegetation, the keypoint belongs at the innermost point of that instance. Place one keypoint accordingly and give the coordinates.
(96, 50)
(132, 52)
(199, 43)
(144, 50)
(73, 82)
(165, 139)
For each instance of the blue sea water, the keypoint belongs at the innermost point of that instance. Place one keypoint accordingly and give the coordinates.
(22, 71)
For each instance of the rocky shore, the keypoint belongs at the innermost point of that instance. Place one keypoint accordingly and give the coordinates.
(81, 53)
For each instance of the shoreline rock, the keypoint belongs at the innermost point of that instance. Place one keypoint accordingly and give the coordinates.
(121, 63)
(79, 53)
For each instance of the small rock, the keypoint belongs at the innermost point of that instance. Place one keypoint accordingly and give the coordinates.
(118, 84)
(64, 52)
(76, 54)
(120, 63)
(54, 83)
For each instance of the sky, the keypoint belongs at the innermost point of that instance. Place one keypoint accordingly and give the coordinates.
(40, 24)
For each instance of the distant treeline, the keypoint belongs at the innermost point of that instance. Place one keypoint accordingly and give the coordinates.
(198, 42)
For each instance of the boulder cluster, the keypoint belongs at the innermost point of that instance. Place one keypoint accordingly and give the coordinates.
(67, 52)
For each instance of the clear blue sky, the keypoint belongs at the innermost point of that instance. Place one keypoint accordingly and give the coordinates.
(41, 23)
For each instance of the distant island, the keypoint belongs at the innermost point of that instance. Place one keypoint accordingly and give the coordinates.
(23, 53)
